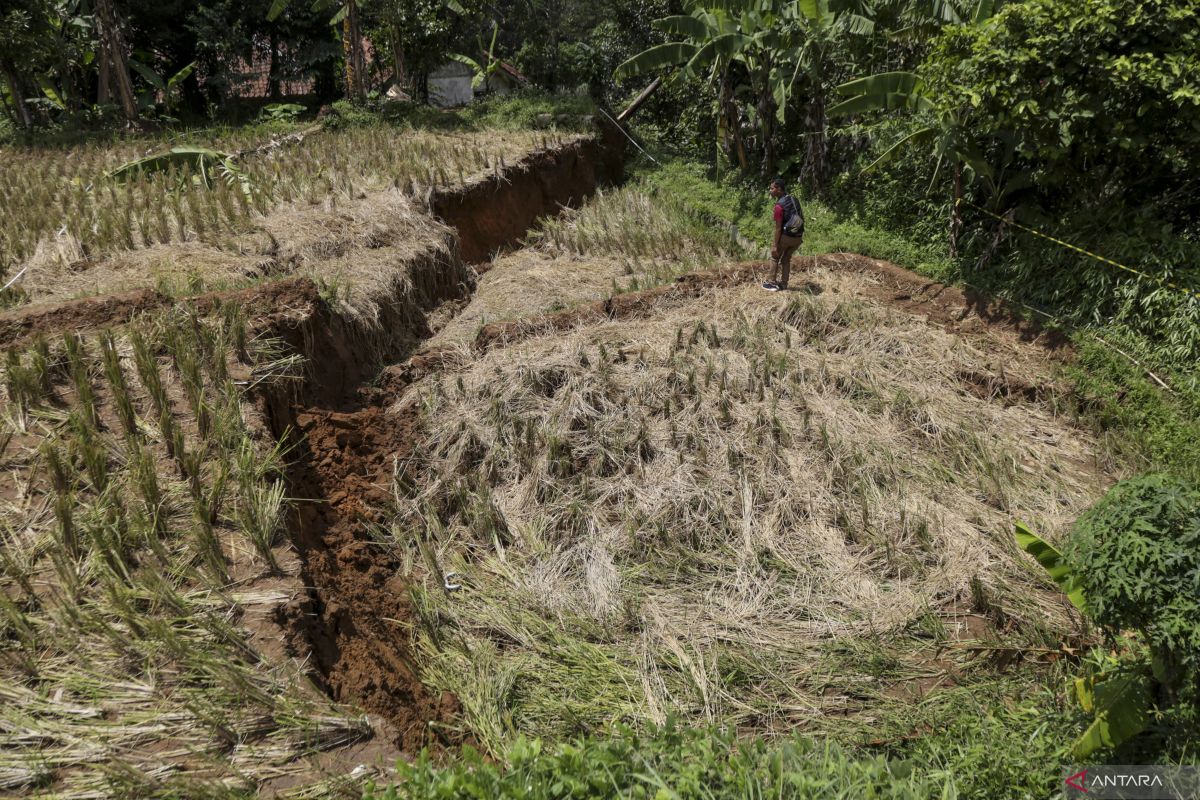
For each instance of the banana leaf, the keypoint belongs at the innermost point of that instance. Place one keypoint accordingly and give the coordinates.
(202, 161)
(1053, 562)
(682, 25)
(916, 137)
(662, 55)
(1122, 705)
(724, 45)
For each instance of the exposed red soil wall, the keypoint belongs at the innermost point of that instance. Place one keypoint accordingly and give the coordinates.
(356, 622)
(356, 619)
(20, 325)
(497, 212)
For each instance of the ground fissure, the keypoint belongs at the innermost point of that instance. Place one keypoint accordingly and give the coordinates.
(351, 426)
(356, 619)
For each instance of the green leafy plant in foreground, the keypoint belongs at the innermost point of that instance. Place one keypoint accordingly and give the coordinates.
(1115, 695)
(667, 762)
(281, 112)
(1137, 555)
(1053, 562)
(1133, 564)
(201, 164)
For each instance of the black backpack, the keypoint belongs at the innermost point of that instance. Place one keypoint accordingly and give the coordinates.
(793, 220)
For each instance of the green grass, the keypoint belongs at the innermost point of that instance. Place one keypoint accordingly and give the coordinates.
(993, 739)
(668, 762)
(749, 208)
(1144, 426)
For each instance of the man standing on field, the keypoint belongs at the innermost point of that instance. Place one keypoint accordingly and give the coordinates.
(789, 234)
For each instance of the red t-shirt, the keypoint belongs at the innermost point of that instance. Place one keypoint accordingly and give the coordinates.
(779, 212)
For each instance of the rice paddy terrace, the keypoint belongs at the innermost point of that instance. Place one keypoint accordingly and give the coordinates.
(388, 457)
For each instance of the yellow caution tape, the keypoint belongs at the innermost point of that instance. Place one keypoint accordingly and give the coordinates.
(1078, 249)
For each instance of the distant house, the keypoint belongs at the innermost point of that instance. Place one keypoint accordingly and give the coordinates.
(252, 78)
(450, 85)
(506, 79)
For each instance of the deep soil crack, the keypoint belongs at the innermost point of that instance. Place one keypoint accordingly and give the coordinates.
(361, 643)
(356, 617)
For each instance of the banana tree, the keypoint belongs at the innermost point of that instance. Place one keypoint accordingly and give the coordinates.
(114, 59)
(1119, 696)
(346, 16)
(483, 70)
(940, 127)
(168, 86)
(769, 42)
(709, 44)
(823, 24)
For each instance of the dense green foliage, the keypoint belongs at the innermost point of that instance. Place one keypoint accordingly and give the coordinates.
(1089, 116)
(54, 73)
(1137, 555)
(668, 763)
(1081, 97)
(1143, 425)
(1132, 565)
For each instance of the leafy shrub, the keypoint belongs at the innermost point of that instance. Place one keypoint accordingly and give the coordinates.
(348, 115)
(1136, 554)
(666, 763)
(281, 112)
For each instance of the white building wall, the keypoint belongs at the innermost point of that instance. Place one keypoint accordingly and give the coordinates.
(450, 86)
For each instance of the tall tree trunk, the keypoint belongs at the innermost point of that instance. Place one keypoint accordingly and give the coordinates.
(399, 78)
(733, 125)
(766, 119)
(348, 58)
(818, 144)
(956, 210)
(360, 54)
(14, 85)
(273, 70)
(114, 43)
(352, 52)
(103, 87)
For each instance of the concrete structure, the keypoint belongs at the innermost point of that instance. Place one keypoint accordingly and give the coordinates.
(450, 85)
